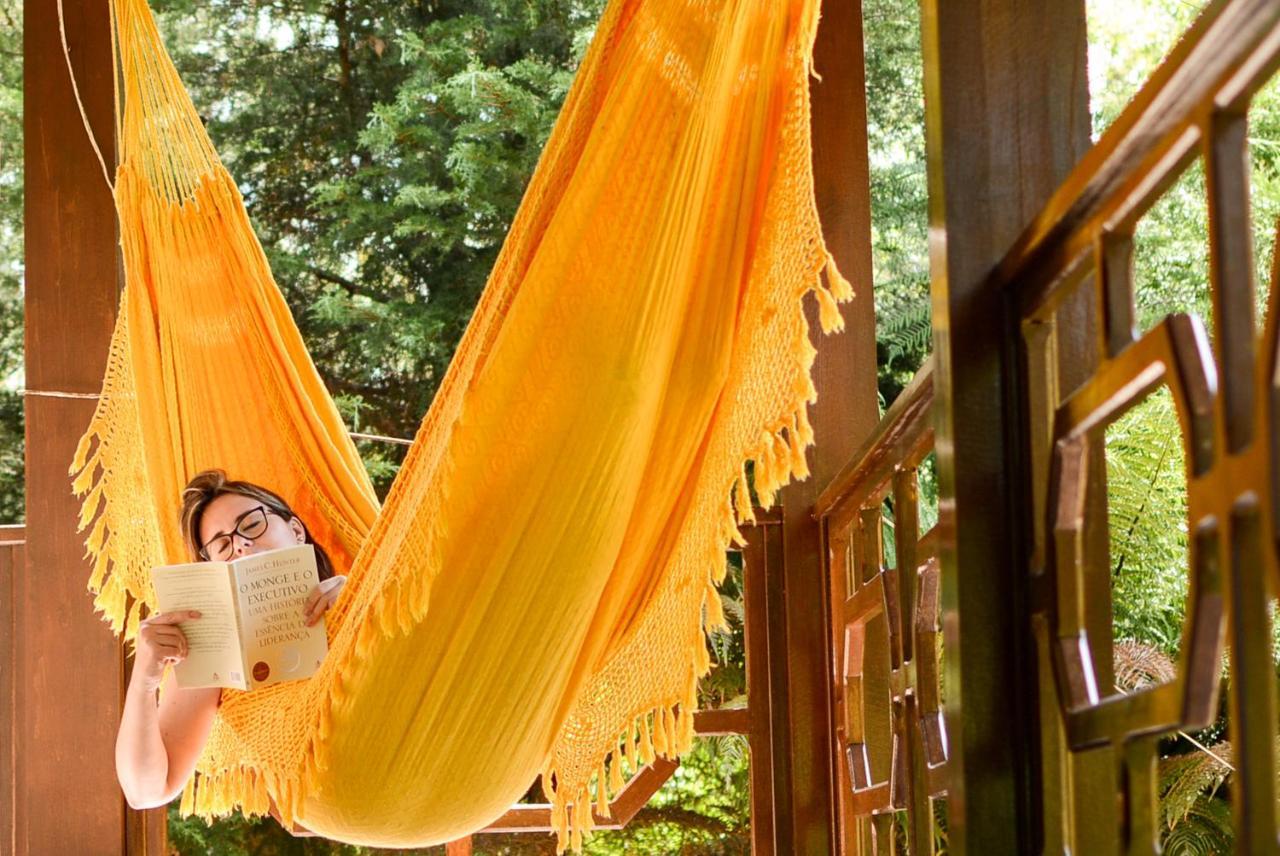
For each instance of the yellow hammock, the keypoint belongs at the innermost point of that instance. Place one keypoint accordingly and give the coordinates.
(531, 597)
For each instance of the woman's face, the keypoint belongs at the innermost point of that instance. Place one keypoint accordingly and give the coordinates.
(224, 514)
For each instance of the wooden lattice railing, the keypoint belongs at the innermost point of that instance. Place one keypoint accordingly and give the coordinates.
(1225, 390)
(891, 740)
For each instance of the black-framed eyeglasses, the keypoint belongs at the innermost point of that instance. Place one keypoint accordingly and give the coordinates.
(250, 526)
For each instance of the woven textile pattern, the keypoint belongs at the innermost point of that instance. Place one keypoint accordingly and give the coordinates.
(534, 596)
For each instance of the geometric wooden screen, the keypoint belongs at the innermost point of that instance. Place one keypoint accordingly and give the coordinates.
(1224, 386)
(891, 743)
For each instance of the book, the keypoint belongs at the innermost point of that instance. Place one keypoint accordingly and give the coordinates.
(251, 632)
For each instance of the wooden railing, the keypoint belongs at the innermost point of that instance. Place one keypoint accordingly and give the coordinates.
(891, 741)
(1225, 388)
(12, 540)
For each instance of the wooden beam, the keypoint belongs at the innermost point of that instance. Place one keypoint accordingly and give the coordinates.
(536, 817)
(70, 672)
(762, 560)
(845, 414)
(1006, 119)
(11, 538)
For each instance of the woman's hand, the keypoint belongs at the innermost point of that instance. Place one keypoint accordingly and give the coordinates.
(321, 598)
(160, 643)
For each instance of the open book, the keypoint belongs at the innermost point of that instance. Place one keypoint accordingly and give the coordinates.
(251, 631)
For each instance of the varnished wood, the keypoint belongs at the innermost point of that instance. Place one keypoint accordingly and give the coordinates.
(536, 817)
(905, 427)
(843, 416)
(891, 739)
(761, 558)
(1224, 391)
(461, 847)
(11, 542)
(1006, 119)
(70, 670)
(1230, 50)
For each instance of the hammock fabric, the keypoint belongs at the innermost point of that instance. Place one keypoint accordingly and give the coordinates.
(531, 597)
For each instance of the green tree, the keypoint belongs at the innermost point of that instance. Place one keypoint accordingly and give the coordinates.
(382, 148)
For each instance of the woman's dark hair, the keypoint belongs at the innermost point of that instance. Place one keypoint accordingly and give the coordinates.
(207, 486)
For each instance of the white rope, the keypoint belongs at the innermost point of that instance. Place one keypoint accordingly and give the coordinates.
(46, 393)
(75, 89)
(381, 439)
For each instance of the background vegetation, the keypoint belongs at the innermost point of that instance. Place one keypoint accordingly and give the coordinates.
(382, 147)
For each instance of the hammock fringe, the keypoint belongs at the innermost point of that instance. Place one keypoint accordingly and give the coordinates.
(778, 458)
(775, 447)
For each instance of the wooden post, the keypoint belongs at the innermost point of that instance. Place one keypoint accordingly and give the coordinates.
(69, 669)
(762, 561)
(1007, 117)
(461, 847)
(844, 416)
(11, 543)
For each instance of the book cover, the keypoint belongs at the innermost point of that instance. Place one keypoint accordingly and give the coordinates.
(251, 631)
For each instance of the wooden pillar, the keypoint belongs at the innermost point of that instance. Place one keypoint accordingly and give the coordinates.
(69, 671)
(762, 560)
(11, 543)
(844, 416)
(1006, 118)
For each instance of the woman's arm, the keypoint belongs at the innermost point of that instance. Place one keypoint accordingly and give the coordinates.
(158, 744)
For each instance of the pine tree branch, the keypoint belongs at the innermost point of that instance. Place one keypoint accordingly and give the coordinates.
(353, 288)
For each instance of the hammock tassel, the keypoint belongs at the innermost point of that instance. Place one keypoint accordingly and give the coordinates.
(132, 620)
(782, 454)
(746, 513)
(560, 820)
(828, 312)
(715, 610)
(203, 798)
(647, 750)
(99, 572)
(690, 708)
(660, 745)
(85, 474)
(602, 791)
(89, 509)
(701, 656)
(187, 805)
(841, 290)
(365, 638)
(110, 602)
(97, 536)
(575, 839)
(79, 463)
(615, 770)
(804, 430)
(799, 461)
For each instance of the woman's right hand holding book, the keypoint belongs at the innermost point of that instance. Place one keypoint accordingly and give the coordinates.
(161, 643)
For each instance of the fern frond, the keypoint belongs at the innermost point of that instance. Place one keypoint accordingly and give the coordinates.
(1139, 665)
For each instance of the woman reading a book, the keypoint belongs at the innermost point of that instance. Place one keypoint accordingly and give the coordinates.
(159, 741)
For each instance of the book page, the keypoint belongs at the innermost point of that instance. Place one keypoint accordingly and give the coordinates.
(273, 587)
(213, 643)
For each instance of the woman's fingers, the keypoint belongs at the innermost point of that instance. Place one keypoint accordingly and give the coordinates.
(161, 639)
(171, 617)
(317, 606)
(321, 598)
